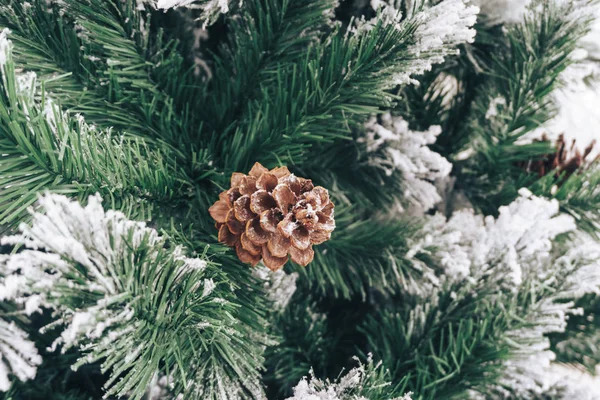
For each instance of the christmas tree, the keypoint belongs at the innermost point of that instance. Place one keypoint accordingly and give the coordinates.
(299, 199)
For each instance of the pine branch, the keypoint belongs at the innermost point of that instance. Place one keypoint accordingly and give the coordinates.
(320, 338)
(338, 82)
(365, 380)
(210, 9)
(580, 343)
(364, 253)
(268, 37)
(46, 149)
(46, 44)
(18, 356)
(126, 297)
(514, 100)
(112, 79)
(454, 337)
(445, 96)
(578, 195)
(304, 345)
(116, 34)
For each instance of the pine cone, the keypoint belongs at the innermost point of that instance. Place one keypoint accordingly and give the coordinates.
(565, 160)
(273, 215)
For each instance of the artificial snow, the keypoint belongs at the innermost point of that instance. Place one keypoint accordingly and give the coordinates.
(279, 286)
(503, 11)
(18, 355)
(67, 237)
(5, 46)
(166, 4)
(440, 29)
(393, 147)
(210, 8)
(346, 387)
(517, 246)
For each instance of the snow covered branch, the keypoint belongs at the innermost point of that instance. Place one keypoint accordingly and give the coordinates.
(113, 284)
(393, 147)
(360, 383)
(18, 355)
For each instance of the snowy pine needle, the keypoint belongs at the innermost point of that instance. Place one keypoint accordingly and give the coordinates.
(114, 283)
(279, 286)
(359, 383)
(520, 247)
(502, 11)
(393, 147)
(18, 355)
(69, 154)
(439, 29)
(518, 243)
(211, 9)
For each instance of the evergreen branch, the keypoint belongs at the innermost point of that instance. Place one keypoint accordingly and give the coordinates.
(578, 194)
(439, 352)
(514, 100)
(318, 337)
(269, 36)
(123, 68)
(44, 148)
(125, 297)
(210, 9)
(44, 43)
(305, 345)
(338, 84)
(457, 343)
(112, 83)
(364, 253)
(368, 381)
(456, 339)
(446, 95)
(580, 343)
(18, 356)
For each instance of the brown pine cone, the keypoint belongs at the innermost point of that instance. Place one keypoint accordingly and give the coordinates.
(565, 160)
(273, 215)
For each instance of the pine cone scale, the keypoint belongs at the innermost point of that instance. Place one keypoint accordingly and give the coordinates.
(245, 256)
(255, 233)
(272, 262)
(219, 211)
(250, 246)
(242, 209)
(236, 227)
(270, 218)
(302, 257)
(287, 226)
(261, 201)
(267, 181)
(279, 245)
(301, 238)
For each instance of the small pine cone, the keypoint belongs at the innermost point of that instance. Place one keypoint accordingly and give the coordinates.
(565, 160)
(273, 215)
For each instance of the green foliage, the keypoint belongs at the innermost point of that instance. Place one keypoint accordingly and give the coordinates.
(55, 380)
(580, 343)
(119, 76)
(321, 337)
(313, 100)
(287, 86)
(578, 195)
(521, 75)
(305, 344)
(140, 308)
(441, 347)
(45, 149)
(365, 253)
